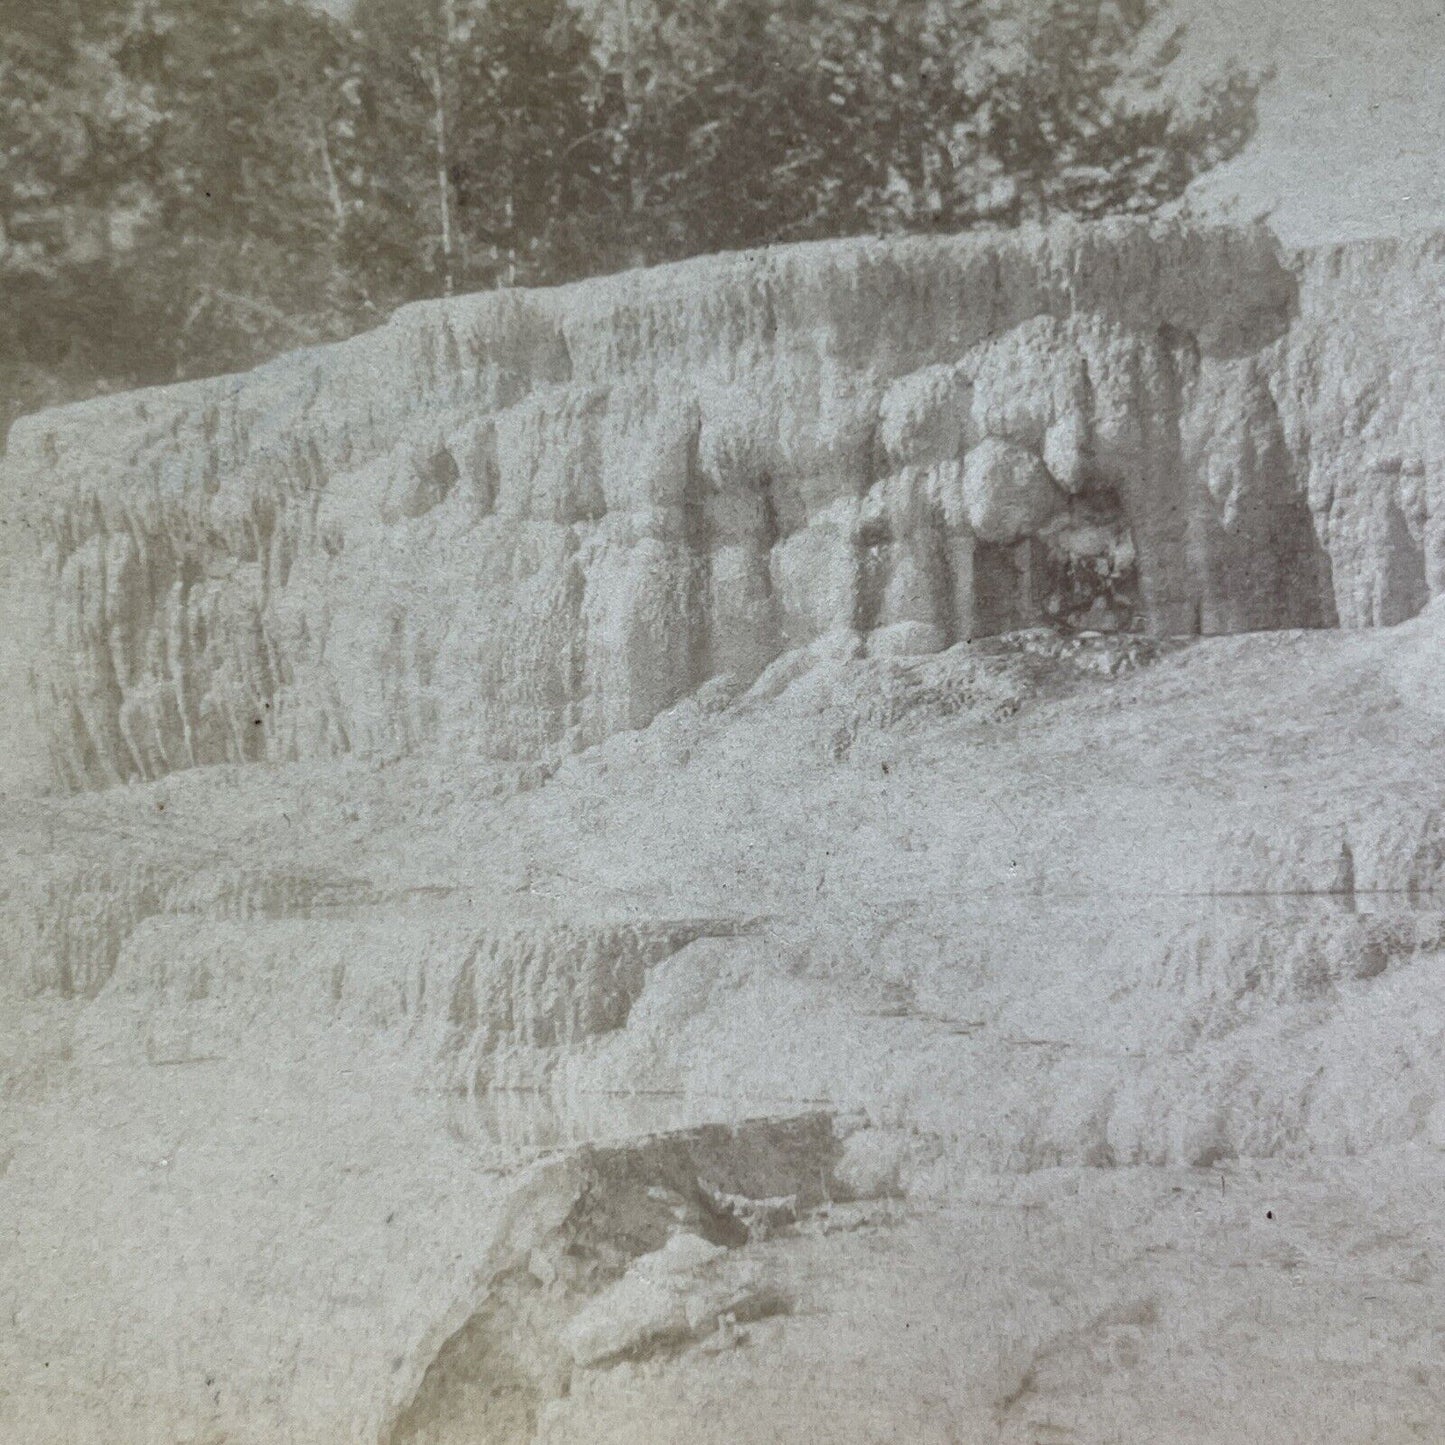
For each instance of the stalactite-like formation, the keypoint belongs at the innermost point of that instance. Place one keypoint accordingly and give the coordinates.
(517, 523)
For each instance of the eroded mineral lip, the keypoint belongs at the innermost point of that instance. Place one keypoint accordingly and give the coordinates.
(611, 1254)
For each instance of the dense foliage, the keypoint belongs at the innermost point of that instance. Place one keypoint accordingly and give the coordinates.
(187, 186)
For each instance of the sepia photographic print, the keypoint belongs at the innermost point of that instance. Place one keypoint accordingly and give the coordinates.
(722, 722)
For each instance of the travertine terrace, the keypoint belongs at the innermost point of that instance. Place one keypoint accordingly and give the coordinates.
(843, 843)
(515, 524)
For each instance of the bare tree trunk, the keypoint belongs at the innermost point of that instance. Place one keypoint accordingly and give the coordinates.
(333, 186)
(511, 215)
(636, 197)
(440, 66)
(444, 185)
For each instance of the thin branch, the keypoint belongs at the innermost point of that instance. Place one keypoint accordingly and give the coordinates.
(333, 186)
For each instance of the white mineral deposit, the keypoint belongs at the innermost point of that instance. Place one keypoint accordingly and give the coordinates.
(842, 842)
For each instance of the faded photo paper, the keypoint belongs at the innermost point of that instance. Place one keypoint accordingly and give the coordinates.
(722, 722)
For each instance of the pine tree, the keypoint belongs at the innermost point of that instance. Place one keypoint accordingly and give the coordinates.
(244, 251)
(75, 135)
(187, 186)
(526, 168)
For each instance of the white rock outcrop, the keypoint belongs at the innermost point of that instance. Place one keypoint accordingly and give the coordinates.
(516, 523)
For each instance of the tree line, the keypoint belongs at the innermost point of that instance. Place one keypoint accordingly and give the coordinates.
(188, 186)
